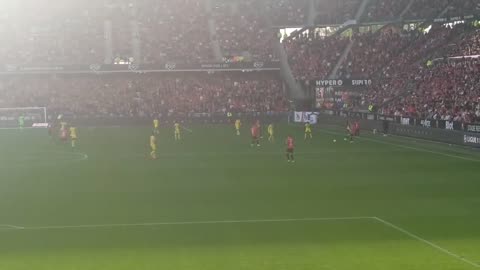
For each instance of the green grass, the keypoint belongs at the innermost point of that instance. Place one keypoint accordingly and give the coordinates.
(429, 190)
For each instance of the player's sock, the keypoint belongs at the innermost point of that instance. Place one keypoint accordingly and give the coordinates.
(288, 157)
(292, 158)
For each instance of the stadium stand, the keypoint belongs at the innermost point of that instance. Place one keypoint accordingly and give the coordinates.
(385, 10)
(335, 12)
(144, 94)
(287, 12)
(393, 55)
(313, 57)
(61, 35)
(447, 91)
(467, 45)
(174, 31)
(243, 31)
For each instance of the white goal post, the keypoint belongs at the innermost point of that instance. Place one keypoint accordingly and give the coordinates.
(34, 117)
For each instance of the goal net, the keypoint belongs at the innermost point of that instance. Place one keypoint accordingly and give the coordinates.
(33, 117)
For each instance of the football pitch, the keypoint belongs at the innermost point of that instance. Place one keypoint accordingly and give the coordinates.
(214, 202)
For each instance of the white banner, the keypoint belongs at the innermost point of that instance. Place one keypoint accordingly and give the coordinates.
(306, 117)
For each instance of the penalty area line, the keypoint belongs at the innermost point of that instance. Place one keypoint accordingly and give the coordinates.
(207, 222)
(435, 246)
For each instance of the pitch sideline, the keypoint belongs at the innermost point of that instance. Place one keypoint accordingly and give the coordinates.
(433, 245)
(246, 221)
(406, 147)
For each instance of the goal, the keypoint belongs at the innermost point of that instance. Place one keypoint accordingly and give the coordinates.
(35, 117)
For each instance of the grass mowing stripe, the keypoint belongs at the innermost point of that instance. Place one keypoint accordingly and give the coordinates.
(154, 224)
(391, 225)
(407, 147)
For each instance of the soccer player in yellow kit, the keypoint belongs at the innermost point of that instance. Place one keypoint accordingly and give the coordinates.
(153, 146)
(238, 124)
(270, 131)
(177, 131)
(156, 126)
(308, 131)
(73, 136)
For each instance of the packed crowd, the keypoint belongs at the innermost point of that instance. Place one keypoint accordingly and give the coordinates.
(174, 31)
(60, 32)
(405, 80)
(467, 46)
(385, 10)
(242, 30)
(336, 12)
(447, 91)
(145, 94)
(287, 12)
(147, 31)
(313, 57)
(372, 51)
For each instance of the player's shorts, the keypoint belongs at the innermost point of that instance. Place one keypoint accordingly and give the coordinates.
(254, 137)
(308, 131)
(73, 138)
(290, 150)
(154, 147)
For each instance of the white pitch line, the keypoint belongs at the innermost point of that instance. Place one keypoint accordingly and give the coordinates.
(446, 251)
(8, 226)
(154, 224)
(410, 147)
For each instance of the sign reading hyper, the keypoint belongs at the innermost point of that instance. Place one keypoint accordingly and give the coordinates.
(329, 82)
(344, 83)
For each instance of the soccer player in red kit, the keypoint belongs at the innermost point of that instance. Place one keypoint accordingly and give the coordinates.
(290, 148)
(260, 135)
(350, 132)
(255, 130)
(356, 128)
